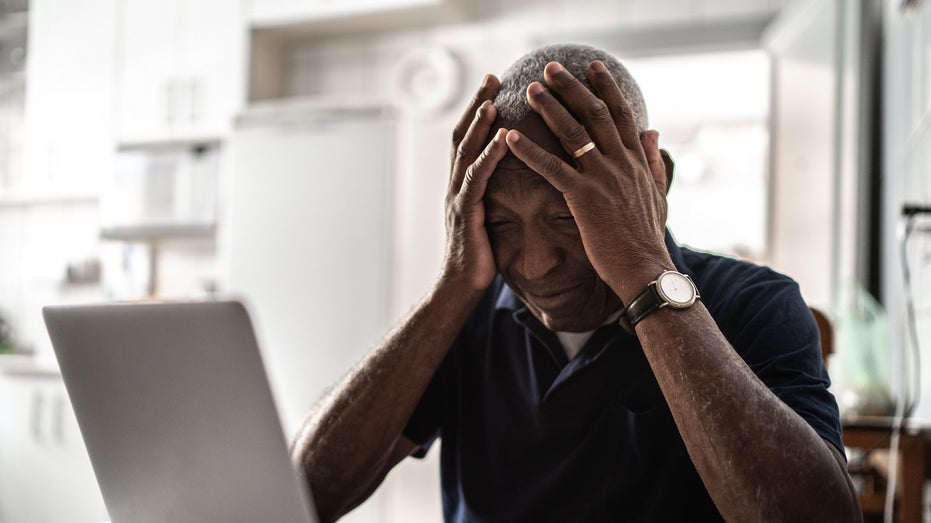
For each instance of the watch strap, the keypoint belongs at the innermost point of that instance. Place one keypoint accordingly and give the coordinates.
(646, 302)
(651, 300)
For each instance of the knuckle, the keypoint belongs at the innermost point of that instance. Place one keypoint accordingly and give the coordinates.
(458, 134)
(469, 177)
(577, 134)
(550, 164)
(598, 111)
(481, 160)
(462, 149)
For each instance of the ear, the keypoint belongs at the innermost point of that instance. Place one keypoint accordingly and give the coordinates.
(670, 167)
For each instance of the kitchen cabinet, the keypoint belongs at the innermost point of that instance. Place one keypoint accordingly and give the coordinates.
(67, 129)
(45, 473)
(328, 17)
(179, 69)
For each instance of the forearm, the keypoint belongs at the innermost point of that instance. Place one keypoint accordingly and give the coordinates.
(759, 460)
(345, 444)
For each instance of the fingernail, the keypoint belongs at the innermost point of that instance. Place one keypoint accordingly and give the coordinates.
(599, 66)
(487, 81)
(535, 88)
(556, 67)
(513, 136)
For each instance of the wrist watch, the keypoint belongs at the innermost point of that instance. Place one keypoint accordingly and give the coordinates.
(670, 289)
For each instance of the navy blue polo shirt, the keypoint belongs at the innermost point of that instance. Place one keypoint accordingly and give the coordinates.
(528, 435)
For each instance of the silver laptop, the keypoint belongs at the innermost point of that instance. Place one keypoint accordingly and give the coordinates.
(176, 412)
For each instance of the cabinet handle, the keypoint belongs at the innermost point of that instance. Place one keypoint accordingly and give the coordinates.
(35, 415)
(170, 101)
(58, 420)
(195, 99)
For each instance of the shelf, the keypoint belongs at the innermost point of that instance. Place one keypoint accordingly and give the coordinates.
(158, 232)
(18, 198)
(26, 365)
(188, 142)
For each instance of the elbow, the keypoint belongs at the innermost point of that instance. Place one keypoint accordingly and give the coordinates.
(334, 493)
(835, 501)
(329, 503)
(849, 505)
(846, 510)
(326, 498)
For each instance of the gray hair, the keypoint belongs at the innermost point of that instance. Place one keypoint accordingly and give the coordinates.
(511, 101)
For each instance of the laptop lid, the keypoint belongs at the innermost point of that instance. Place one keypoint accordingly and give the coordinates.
(176, 412)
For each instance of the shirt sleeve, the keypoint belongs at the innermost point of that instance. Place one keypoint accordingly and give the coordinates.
(437, 406)
(424, 425)
(773, 329)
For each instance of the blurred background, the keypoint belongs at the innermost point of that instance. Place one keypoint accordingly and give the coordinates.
(294, 153)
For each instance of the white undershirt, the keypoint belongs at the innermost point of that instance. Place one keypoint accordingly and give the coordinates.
(572, 342)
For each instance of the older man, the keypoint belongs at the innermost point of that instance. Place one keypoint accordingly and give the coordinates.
(703, 398)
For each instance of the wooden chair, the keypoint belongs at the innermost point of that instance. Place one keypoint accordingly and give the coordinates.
(871, 440)
(826, 328)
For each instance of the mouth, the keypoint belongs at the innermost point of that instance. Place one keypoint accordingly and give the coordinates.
(553, 300)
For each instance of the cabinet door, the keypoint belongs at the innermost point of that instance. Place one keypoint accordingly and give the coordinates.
(68, 129)
(45, 474)
(149, 94)
(180, 69)
(211, 65)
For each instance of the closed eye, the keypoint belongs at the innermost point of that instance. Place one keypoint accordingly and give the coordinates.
(497, 222)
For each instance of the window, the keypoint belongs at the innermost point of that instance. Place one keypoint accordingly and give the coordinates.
(712, 113)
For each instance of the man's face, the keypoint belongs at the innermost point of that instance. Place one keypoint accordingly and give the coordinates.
(536, 243)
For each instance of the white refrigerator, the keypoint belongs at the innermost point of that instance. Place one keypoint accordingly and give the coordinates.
(308, 240)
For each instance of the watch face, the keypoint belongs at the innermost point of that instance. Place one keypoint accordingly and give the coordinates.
(676, 289)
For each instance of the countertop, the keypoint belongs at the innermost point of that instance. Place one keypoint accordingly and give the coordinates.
(27, 365)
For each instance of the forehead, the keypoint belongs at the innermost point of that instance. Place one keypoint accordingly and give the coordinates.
(517, 188)
(513, 181)
(534, 128)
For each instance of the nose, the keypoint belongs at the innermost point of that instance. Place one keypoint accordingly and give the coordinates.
(537, 257)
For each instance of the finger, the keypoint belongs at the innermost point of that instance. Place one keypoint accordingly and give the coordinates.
(649, 140)
(486, 92)
(587, 107)
(670, 167)
(470, 147)
(548, 165)
(477, 174)
(571, 134)
(608, 90)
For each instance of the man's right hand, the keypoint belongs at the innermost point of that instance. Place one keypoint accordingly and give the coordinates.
(469, 260)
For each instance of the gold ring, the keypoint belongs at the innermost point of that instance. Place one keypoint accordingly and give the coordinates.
(582, 150)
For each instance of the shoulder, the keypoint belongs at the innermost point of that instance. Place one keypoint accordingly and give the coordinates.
(725, 282)
(749, 300)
